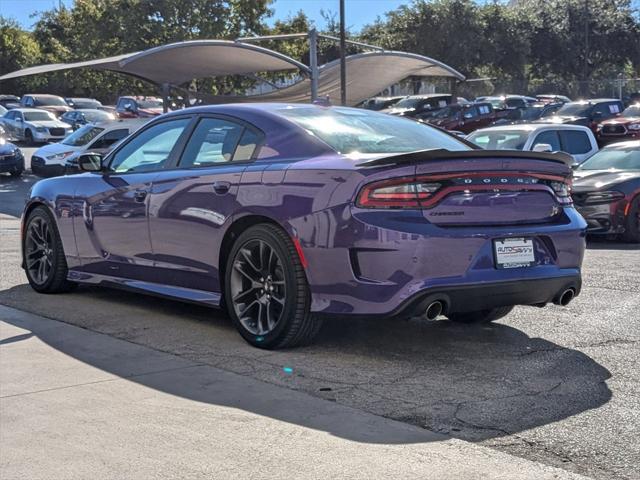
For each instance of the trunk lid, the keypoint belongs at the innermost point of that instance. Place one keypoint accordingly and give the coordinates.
(482, 187)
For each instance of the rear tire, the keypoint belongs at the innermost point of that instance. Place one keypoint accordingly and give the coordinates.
(266, 290)
(632, 225)
(44, 260)
(16, 173)
(480, 316)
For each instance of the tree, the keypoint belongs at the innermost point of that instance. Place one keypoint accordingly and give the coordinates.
(18, 49)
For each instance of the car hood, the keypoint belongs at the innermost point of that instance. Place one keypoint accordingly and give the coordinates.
(587, 180)
(55, 108)
(54, 148)
(49, 124)
(561, 119)
(621, 121)
(7, 148)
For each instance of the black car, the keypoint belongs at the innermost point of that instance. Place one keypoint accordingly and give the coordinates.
(528, 114)
(78, 118)
(588, 113)
(78, 103)
(420, 106)
(606, 191)
(11, 158)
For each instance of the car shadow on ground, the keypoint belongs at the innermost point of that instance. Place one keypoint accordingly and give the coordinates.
(608, 244)
(469, 382)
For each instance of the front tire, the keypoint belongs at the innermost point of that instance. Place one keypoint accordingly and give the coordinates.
(632, 225)
(28, 138)
(43, 255)
(480, 316)
(266, 290)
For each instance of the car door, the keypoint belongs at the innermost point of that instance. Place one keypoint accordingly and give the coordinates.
(18, 125)
(8, 123)
(191, 205)
(578, 143)
(112, 232)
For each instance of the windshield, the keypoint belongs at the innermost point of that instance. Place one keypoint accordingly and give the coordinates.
(531, 113)
(57, 101)
(575, 110)
(150, 103)
(614, 159)
(82, 136)
(350, 130)
(499, 139)
(632, 111)
(86, 103)
(38, 116)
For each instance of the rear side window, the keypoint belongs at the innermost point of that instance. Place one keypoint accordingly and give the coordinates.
(214, 141)
(574, 142)
(550, 137)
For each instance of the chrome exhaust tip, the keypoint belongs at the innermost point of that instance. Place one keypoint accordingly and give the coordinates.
(565, 297)
(434, 310)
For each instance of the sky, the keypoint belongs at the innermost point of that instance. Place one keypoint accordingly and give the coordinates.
(357, 12)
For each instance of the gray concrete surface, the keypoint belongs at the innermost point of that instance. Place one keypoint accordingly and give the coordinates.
(554, 385)
(75, 404)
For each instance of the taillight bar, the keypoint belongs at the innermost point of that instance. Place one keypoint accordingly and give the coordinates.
(427, 191)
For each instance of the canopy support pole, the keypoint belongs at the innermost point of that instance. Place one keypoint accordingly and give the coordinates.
(165, 97)
(313, 62)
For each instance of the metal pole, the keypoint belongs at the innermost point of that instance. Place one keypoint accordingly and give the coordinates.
(343, 61)
(165, 97)
(313, 62)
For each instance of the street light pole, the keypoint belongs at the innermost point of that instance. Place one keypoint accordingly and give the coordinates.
(343, 62)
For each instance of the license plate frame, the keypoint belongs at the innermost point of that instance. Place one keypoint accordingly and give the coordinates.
(513, 252)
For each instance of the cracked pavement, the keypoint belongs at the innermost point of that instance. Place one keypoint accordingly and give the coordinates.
(553, 385)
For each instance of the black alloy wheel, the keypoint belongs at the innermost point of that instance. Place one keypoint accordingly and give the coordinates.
(44, 260)
(266, 290)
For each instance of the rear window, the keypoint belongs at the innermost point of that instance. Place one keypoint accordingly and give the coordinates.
(500, 139)
(43, 101)
(350, 130)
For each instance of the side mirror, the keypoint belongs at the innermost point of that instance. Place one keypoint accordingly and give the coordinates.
(542, 147)
(128, 107)
(90, 162)
(19, 119)
(467, 116)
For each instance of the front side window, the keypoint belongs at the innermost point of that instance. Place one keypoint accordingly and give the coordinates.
(149, 150)
(575, 142)
(352, 131)
(109, 138)
(82, 136)
(215, 141)
(550, 137)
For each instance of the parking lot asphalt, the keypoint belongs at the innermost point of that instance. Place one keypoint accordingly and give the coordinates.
(555, 385)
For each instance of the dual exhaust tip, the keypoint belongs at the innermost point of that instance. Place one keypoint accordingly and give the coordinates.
(565, 297)
(435, 308)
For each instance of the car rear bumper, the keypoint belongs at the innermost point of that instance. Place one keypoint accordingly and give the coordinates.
(386, 265)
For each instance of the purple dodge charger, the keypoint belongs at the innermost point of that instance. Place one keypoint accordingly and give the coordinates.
(284, 214)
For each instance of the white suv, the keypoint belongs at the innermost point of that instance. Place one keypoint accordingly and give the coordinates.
(576, 140)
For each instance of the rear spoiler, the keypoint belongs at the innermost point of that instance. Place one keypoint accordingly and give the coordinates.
(443, 154)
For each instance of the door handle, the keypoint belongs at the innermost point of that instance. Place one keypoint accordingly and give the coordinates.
(221, 187)
(140, 195)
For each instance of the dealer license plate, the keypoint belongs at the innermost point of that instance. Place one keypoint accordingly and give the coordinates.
(514, 252)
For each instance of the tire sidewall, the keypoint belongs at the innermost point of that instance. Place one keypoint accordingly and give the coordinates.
(273, 338)
(631, 225)
(40, 212)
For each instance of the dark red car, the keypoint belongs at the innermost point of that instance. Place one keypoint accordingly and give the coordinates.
(466, 117)
(50, 103)
(624, 127)
(138, 107)
(588, 113)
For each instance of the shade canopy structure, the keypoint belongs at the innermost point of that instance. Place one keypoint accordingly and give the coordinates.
(367, 73)
(180, 62)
